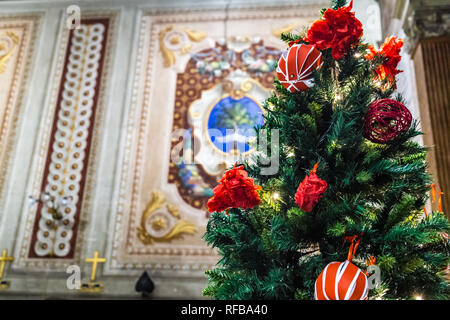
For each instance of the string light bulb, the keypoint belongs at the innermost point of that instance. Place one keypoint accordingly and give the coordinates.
(289, 151)
(419, 298)
(275, 196)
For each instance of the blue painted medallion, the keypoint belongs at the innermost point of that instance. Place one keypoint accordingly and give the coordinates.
(231, 123)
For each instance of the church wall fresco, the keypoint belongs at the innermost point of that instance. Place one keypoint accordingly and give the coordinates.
(17, 42)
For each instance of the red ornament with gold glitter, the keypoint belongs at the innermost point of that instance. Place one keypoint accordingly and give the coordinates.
(385, 120)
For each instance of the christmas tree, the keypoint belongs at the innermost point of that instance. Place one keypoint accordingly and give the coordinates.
(350, 177)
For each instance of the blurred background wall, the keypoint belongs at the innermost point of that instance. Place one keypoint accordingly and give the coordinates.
(87, 116)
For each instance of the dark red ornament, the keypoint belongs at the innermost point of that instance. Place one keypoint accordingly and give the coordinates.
(385, 120)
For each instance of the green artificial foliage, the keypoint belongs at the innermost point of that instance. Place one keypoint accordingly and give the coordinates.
(338, 3)
(277, 251)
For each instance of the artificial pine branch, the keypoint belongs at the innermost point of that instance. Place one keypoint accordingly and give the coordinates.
(338, 3)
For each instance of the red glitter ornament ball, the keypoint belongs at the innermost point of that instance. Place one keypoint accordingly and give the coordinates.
(385, 120)
(296, 66)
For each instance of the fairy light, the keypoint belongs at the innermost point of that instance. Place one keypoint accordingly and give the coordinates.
(357, 55)
(275, 196)
(338, 97)
(419, 298)
(289, 151)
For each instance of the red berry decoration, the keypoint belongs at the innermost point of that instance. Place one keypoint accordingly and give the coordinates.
(296, 66)
(385, 120)
(310, 191)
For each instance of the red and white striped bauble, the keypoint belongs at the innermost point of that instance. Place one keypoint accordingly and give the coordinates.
(296, 66)
(341, 281)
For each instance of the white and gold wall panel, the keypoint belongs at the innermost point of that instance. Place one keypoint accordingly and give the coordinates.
(17, 44)
(67, 157)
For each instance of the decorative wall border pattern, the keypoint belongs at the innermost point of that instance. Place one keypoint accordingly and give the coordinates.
(84, 205)
(68, 154)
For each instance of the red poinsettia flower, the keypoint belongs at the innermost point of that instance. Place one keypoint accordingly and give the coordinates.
(338, 29)
(390, 49)
(236, 190)
(310, 191)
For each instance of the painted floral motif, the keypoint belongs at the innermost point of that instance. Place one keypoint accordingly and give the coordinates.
(215, 62)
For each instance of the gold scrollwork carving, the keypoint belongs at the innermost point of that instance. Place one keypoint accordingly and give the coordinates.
(195, 36)
(236, 94)
(168, 55)
(227, 86)
(7, 45)
(171, 40)
(247, 85)
(158, 226)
